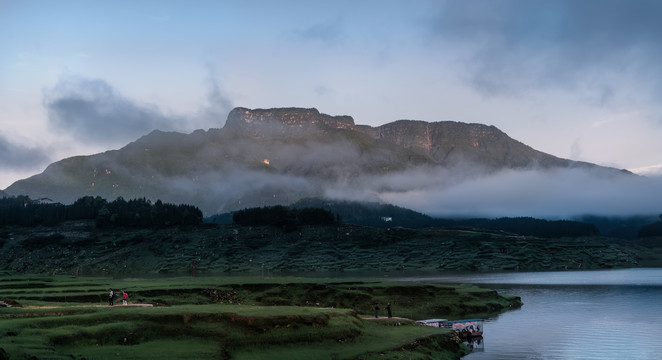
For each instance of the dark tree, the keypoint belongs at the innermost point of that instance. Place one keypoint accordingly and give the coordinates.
(283, 217)
(139, 213)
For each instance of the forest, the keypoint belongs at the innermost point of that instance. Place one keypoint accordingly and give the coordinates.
(136, 213)
(288, 218)
(389, 216)
(651, 230)
(143, 213)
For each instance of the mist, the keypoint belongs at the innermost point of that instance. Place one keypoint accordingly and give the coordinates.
(224, 170)
(93, 111)
(16, 156)
(289, 171)
(547, 194)
(550, 194)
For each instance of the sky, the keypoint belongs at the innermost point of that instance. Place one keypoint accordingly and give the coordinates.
(578, 79)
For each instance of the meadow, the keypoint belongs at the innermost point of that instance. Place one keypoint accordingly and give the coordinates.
(65, 317)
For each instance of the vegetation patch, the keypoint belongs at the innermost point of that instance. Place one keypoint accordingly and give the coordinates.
(268, 250)
(201, 323)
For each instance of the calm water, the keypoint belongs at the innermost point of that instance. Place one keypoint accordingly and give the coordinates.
(609, 314)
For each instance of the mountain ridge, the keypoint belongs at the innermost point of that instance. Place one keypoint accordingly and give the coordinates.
(266, 157)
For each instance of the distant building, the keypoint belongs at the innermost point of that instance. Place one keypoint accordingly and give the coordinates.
(387, 218)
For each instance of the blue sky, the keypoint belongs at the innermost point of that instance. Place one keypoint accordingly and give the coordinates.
(578, 79)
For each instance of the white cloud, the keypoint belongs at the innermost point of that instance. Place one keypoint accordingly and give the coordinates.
(559, 193)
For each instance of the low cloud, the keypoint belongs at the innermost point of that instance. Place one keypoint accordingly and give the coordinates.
(551, 194)
(218, 104)
(328, 33)
(94, 112)
(232, 188)
(14, 156)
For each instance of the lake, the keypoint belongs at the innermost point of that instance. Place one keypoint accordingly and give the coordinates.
(605, 314)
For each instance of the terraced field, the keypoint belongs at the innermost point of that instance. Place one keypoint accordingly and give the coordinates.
(63, 317)
(80, 249)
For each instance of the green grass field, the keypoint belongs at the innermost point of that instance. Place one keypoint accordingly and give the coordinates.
(63, 317)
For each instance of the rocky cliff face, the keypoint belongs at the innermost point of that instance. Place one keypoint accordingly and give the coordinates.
(450, 142)
(283, 121)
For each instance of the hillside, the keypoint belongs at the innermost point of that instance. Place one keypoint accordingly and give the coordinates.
(80, 248)
(390, 216)
(279, 156)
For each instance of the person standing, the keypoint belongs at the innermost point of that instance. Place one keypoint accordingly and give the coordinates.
(111, 294)
(376, 310)
(125, 298)
(388, 309)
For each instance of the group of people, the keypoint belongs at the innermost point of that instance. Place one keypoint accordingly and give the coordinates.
(111, 298)
(125, 299)
(388, 310)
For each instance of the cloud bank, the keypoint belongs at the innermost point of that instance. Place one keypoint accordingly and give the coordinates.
(550, 194)
(511, 46)
(15, 156)
(96, 114)
(92, 111)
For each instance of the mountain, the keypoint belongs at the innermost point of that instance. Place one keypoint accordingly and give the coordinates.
(279, 156)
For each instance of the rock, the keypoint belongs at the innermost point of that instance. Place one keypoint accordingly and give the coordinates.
(264, 122)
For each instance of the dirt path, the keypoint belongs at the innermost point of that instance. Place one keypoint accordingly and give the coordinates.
(366, 317)
(95, 305)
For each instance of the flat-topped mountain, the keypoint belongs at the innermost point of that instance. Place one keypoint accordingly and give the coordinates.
(261, 122)
(279, 156)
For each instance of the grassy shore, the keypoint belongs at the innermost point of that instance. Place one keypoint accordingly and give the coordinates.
(63, 317)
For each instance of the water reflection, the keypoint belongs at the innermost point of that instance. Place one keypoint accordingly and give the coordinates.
(614, 314)
(627, 277)
(476, 344)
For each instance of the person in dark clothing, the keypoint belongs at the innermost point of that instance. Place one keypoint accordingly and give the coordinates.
(376, 311)
(388, 309)
(111, 294)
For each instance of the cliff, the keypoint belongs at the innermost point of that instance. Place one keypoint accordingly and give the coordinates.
(450, 142)
(283, 121)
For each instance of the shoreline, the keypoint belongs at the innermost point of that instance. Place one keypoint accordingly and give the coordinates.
(289, 309)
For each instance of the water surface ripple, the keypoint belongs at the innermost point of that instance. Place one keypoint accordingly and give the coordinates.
(610, 314)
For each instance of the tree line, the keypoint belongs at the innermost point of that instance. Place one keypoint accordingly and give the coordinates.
(138, 213)
(526, 226)
(287, 218)
(386, 215)
(651, 230)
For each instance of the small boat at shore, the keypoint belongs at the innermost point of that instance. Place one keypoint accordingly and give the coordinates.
(465, 328)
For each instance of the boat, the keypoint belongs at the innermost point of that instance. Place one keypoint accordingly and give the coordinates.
(467, 328)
